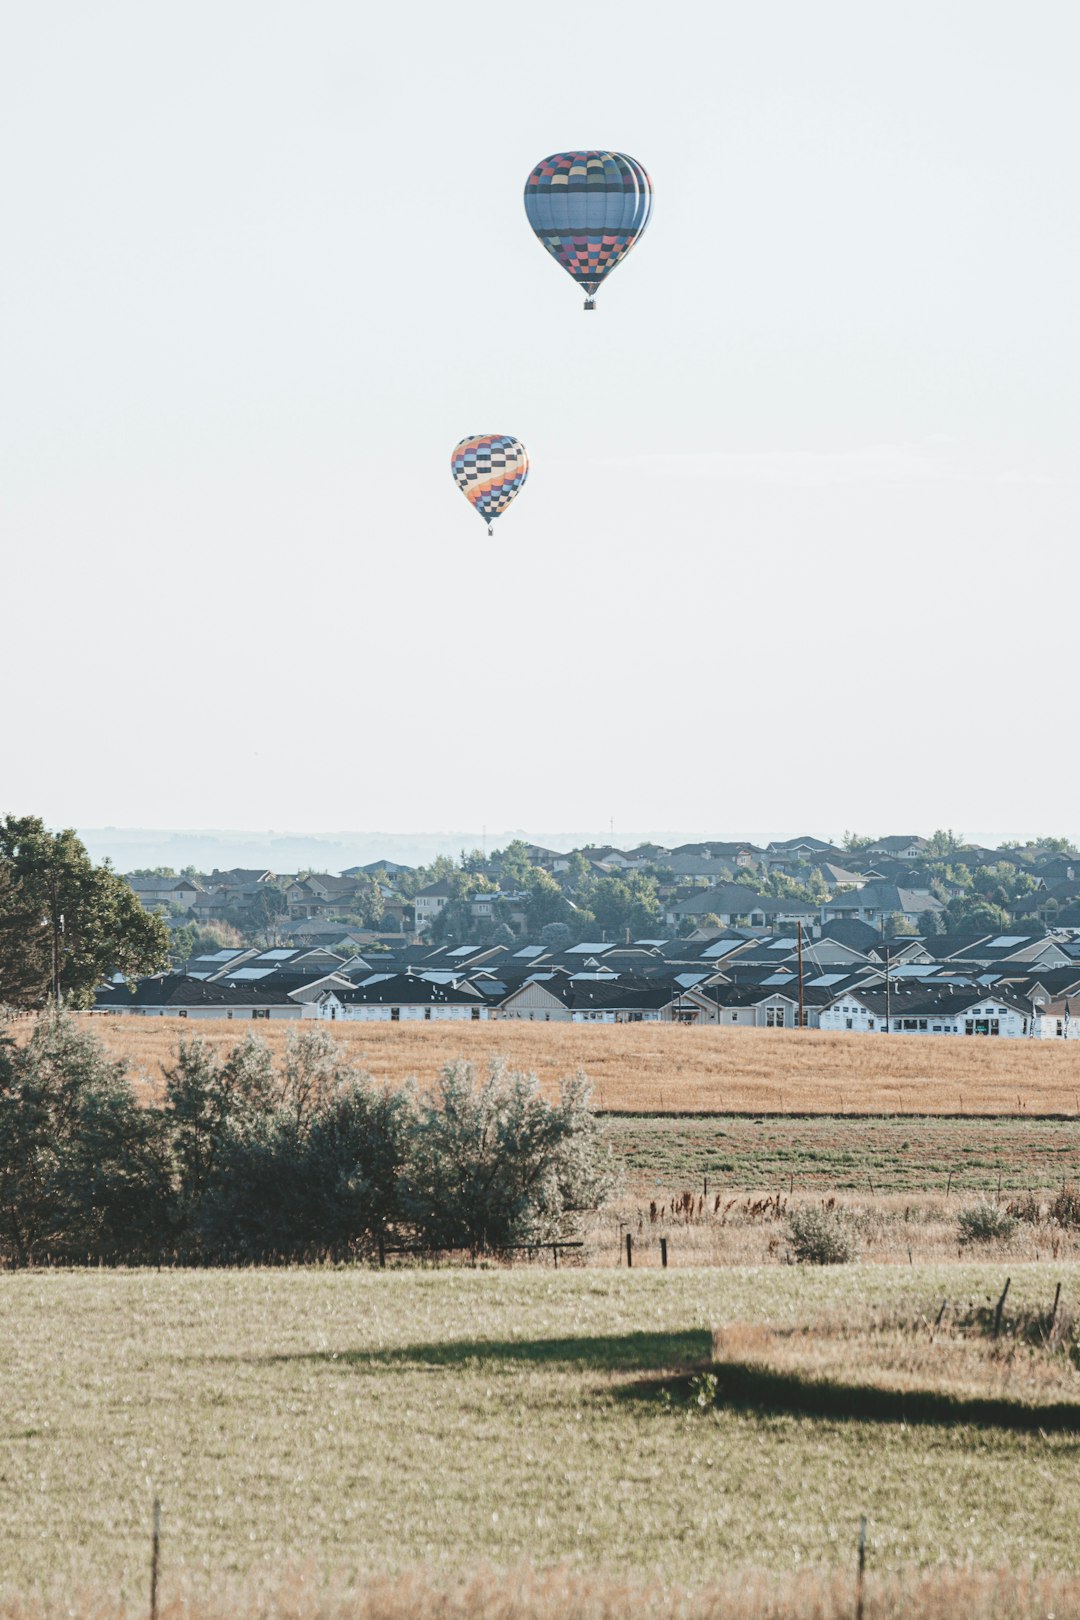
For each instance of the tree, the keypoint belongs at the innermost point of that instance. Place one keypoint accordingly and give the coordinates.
(930, 922)
(975, 915)
(56, 904)
(547, 904)
(944, 842)
(281, 1164)
(491, 1162)
(854, 841)
(267, 906)
(556, 936)
(899, 926)
(624, 903)
(83, 1168)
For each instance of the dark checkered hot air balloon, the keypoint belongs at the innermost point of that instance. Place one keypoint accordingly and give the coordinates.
(588, 209)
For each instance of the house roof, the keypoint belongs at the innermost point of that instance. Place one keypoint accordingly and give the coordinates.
(178, 990)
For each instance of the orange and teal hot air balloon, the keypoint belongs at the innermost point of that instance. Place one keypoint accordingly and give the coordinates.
(489, 469)
(588, 209)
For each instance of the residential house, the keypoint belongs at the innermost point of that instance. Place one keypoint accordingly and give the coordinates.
(877, 903)
(430, 902)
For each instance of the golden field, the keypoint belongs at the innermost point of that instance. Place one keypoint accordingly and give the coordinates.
(666, 1068)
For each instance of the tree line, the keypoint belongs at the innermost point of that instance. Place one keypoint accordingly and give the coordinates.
(244, 1160)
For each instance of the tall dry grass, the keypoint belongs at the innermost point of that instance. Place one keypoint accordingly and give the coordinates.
(738, 1228)
(665, 1068)
(560, 1594)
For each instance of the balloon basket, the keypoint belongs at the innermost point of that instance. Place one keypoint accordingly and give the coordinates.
(590, 303)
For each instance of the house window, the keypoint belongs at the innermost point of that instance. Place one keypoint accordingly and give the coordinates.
(427, 1013)
(734, 1018)
(395, 1015)
(181, 1014)
(774, 1018)
(849, 1023)
(475, 1015)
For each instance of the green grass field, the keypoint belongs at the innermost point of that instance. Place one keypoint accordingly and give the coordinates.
(822, 1152)
(356, 1421)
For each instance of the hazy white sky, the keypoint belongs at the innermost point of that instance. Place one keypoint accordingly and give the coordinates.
(798, 550)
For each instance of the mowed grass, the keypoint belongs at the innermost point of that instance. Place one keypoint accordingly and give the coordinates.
(663, 1068)
(355, 1421)
(894, 1155)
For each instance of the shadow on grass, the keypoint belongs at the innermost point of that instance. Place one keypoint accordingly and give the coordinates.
(622, 1352)
(743, 1386)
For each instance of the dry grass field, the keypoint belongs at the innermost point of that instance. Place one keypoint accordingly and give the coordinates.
(664, 1068)
(351, 1423)
(526, 1593)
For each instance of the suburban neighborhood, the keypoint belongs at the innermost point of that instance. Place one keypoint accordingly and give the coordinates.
(902, 934)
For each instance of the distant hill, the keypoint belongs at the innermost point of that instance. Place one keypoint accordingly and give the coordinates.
(207, 848)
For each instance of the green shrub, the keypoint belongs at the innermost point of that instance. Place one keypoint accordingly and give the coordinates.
(822, 1235)
(493, 1163)
(985, 1222)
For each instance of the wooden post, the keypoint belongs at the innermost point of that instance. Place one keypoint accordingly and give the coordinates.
(382, 1249)
(705, 1194)
(941, 1313)
(1054, 1310)
(629, 1250)
(1000, 1307)
(663, 1262)
(860, 1578)
(555, 1255)
(155, 1555)
(948, 1185)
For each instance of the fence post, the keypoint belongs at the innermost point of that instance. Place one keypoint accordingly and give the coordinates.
(1000, 1307)
(555, 1255)
(663, 1253)
(1054, 1310)
(860, 1578)
(155, 1555)
(382, 1249)
(629, 1250)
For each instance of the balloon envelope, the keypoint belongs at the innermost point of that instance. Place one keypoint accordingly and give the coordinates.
(489, 469)
(588, 209)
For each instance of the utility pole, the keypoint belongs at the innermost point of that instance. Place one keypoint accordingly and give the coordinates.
(888, 993)
(802, 1013)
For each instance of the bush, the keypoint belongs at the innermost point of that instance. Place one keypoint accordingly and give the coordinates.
(83, 1169)
(1065, 1208)
(492, 1163)
(248, 1162)
(985, 1222)
(283, 1166)
(822, 1236)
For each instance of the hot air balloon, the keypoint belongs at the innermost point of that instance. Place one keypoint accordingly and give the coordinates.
(588, 209)
(489, 469)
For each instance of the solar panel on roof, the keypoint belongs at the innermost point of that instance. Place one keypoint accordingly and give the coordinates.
(783, 945)
(580, 950)
(828, 978)
(1005, 940)
(530, 951)
(463, 950)
(278, 955)
(688, 980)
(251, 973)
